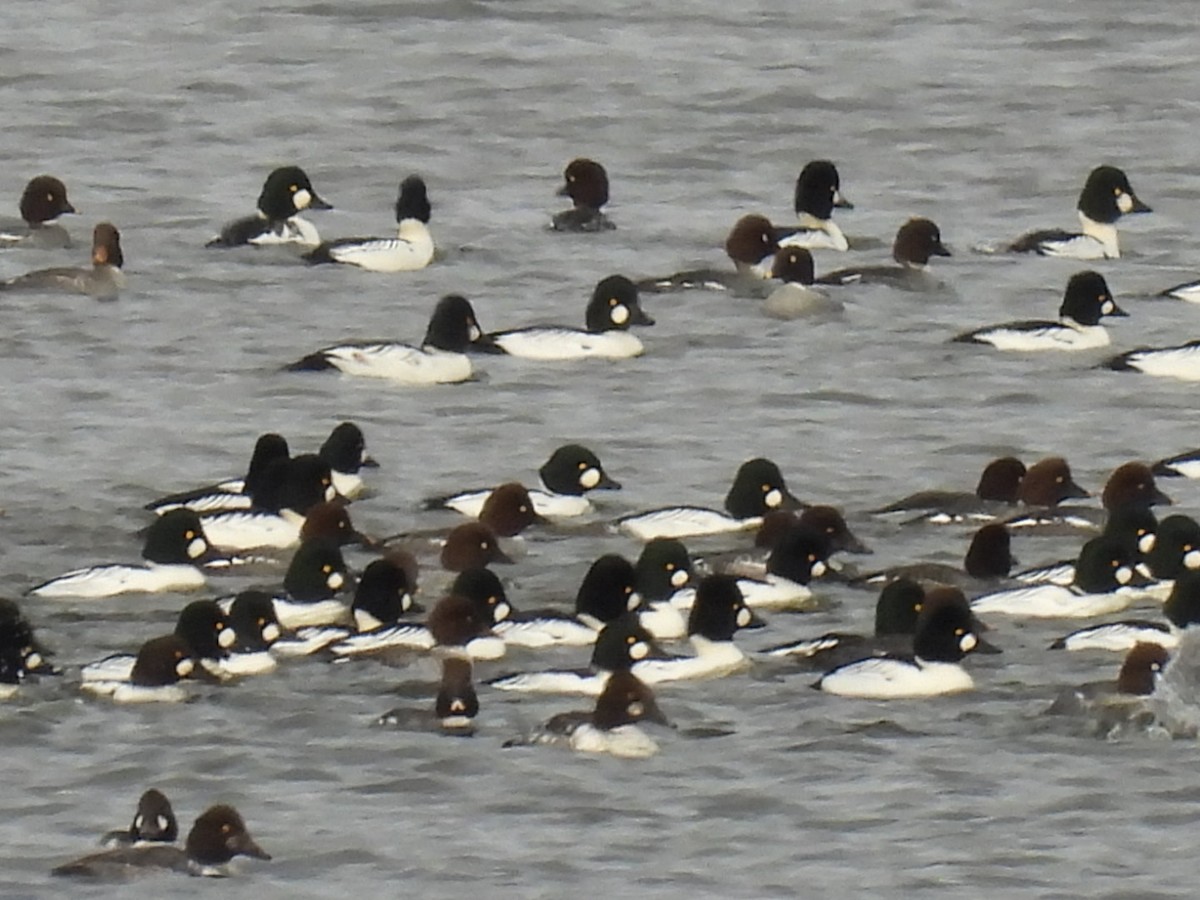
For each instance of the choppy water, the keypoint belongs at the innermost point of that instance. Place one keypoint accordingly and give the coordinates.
(984, 116)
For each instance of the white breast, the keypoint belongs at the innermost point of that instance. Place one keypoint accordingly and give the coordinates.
(400, 363)
(886, 679)
(775, 592)
(295, 231)
(293, 615)
(713, 659)
(827, 237)
(624, 741)
(569, 343)
(257, 663)
(387, 254)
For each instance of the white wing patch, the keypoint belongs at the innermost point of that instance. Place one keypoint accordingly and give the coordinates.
(401, 363)
(569, 343)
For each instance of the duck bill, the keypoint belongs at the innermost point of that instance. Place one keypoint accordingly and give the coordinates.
(502, 557)
(564, 191)
(369, 462)
(1117, 311)
(1158, 498)
(756, 621)
(639, 317)
(1138, 205)
(245, 845)
(841, 202)
(316, 203)
(987, 647)
(939, 249)
(851, 544)
(1073, 491)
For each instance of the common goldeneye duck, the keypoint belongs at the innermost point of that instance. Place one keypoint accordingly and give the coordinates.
(571, 472)
(1185, 465)
(988, 559)
(43, 200)
(798, 556)
(103, 280)
(585, 181)
(453, 332)
(1181, 609)
(1106, 196)
(826, 520)
(1105, 582)
(455, 707)
(751, 245)
(1113, 707)
(154, 821)
(346, 452)
(215, 839)
(460, 626)
(917, 241)
(1048, 483)
(758, 487)
(290, 490)
(1189, 291)
(614, 307)
(945, 634)
(1086, 302)
(611, 727)
(233, 493)
(663, 569)
(795, 298)
(1130, 485)
(315, 577)
(253, 620)
(998, 488)
(23, 653)
(607, 592)
(154, 678)
(1136, 526)
(621, 644)
(818, 194)
(411, 249)
(509, 510)
(1179, 361)
(285, 194)
(174, 550)
(469, 546)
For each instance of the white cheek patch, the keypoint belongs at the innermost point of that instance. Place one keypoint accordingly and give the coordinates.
(636, 710)
(271, 633)
(589, 478)
(1124, 202)
(1124, 575)
(773, 498)
(1146, 543)
(330, 492)
(161, 822)
(227, 638)
(183, 668)
(639, 650)
(635, 600)
(502, 612)
(302, 198)
(458, 707)
(968, 642)
(474, 334)
(33, 661)
(1107, 307)
(1191, 559)
(335, 581)
(679, 578)
(139, 821)
(818, 568)
(196, 548)
(619, 314)
(744, 617)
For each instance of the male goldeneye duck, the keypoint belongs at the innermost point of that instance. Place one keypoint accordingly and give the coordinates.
(218, 835)
(795, 298)
(160, 664)
(945, 634)
(286, 192)
(1135, 526)
(43, 200)
(797, 556)
(1176, 550)
(1106, 196)
(1131, 484)
(154, 821)
(1189, 291)
(461, 626)
(454, 708)
(1179, 361)
(315, 577)
(620, 645)
(346, 452)
(1106, 581)
(758, 487)
(103, 280)
(411, 248)
(1086, 302)
(1185, 465)
(751, 245)
(571, 472)
(917, 240)
(663, 570)
(607, 592)
(988, 559)
(609, 728)
(612, 310)
(453, 332)
(290, 490)
(175, 548)
(818, 194)
(1181, 609)
(23, 653)
(586, 182)
(233, 493)
(998, 488)
(253, 621)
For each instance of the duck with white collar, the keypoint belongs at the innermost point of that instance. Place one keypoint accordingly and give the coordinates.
(411, 249)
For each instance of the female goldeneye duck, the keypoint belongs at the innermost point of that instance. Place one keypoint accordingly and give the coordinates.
(103, 280)
(1047, 484)
(509, 510)
(453, 332)
(175, 548)
(917, 240)
(1130, 485)
(153, 822)
(1179, 361)
(1106, 196)
(460, 627)
(571, 472)
(1113, 707)
(998, 487)
(795, 298)
(471, 545)
(1086, 302)
(286, 192)
(611, 727)
(612, 310)
(818, 194)
(988, 559)
(43, 200)
(218, 835)
(758, 487)
(621, 644)
(232, 493)
(1105, 582)
(751, 245)
(1135, 526)
(454, 708)
(411, 249)
(944, 635)
(1181, 609)
(586, 182)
